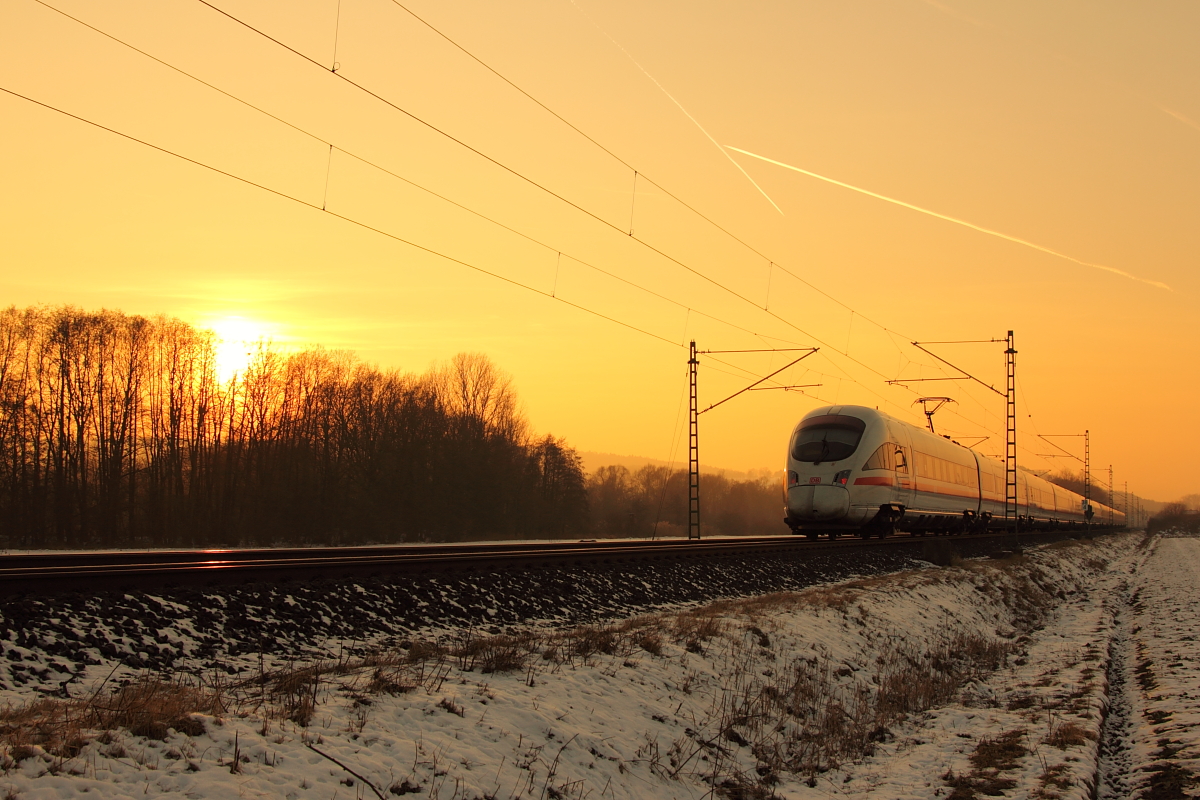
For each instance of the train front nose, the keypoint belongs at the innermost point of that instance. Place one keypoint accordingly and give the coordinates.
(819, 466)
(818, 502)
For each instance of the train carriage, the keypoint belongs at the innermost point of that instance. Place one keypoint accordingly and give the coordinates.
(852, 469)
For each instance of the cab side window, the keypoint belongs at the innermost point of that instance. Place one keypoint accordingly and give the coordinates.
(889, 455)
(882, 458)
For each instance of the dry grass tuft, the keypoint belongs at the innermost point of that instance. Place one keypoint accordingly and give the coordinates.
(1001, 753)
(838, 598)
(1053, 782)
(588, 641)
(296, 692)
(970, 787)
(992, 757)
(451, 706)
(495, 653)
(423, 651)
(1022, 702)
(390, 681)
(1069, 734)
(694, 627)
(651, 642)
(146, 707)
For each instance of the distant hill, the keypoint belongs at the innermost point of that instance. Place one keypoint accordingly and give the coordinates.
(593, 461)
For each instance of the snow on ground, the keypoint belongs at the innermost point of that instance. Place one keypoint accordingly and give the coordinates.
(986, 676)
(58, 643)
(1162, 673)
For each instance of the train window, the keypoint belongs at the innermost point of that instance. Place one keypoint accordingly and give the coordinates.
(940, 469)
(831, 437)
(882, 458)
(924, 464)
(888, 456)
(970, 477)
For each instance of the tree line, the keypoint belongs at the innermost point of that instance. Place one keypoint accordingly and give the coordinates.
(1178, 516)
(654, 501)
(117, 430)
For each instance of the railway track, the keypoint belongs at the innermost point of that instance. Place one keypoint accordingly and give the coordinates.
(53, 573)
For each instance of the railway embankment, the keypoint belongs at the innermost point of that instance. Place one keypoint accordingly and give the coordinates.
(967, 680)
(60, 643)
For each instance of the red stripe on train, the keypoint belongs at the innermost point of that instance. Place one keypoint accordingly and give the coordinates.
(874, 482)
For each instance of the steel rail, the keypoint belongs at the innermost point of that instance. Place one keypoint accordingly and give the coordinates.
(50, 573)
(114, 557)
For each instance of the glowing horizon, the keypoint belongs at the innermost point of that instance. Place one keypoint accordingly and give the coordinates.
(1066, 142)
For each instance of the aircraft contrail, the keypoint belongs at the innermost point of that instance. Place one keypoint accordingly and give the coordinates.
(955, 220)
(679, 105)
(1179, 117)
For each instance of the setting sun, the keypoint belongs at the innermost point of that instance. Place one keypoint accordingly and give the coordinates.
(237, 337)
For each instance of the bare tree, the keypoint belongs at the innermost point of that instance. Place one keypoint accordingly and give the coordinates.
(116, 430)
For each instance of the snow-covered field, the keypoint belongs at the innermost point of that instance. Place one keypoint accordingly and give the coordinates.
(1160, 674)
(983, 677)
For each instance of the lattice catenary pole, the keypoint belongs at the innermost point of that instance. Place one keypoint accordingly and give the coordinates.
(693, 450)
(1087, 477)
(1112, 499)
(1010, 452)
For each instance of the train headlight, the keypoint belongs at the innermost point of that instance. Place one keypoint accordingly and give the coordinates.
(841, 478)
(793, 478)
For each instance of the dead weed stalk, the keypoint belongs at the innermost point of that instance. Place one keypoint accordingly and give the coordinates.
(148, 706)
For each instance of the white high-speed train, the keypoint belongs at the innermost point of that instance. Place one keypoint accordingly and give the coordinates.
(852, 469)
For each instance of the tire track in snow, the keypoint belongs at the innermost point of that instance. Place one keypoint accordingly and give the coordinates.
(1116, 747)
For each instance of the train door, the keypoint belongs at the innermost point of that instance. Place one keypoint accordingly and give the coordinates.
(905, 472)
(978, 483)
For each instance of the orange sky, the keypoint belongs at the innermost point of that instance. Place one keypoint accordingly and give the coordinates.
(1073, 127)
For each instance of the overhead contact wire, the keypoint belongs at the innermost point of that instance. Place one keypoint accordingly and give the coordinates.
(771, 263)
(395, 175)
(574, 205)
(343, 217)
(534, 183)
(828, 346)
(483, 155)
(627, 165)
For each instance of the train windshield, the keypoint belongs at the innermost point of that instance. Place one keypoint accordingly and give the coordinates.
(827, 438)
